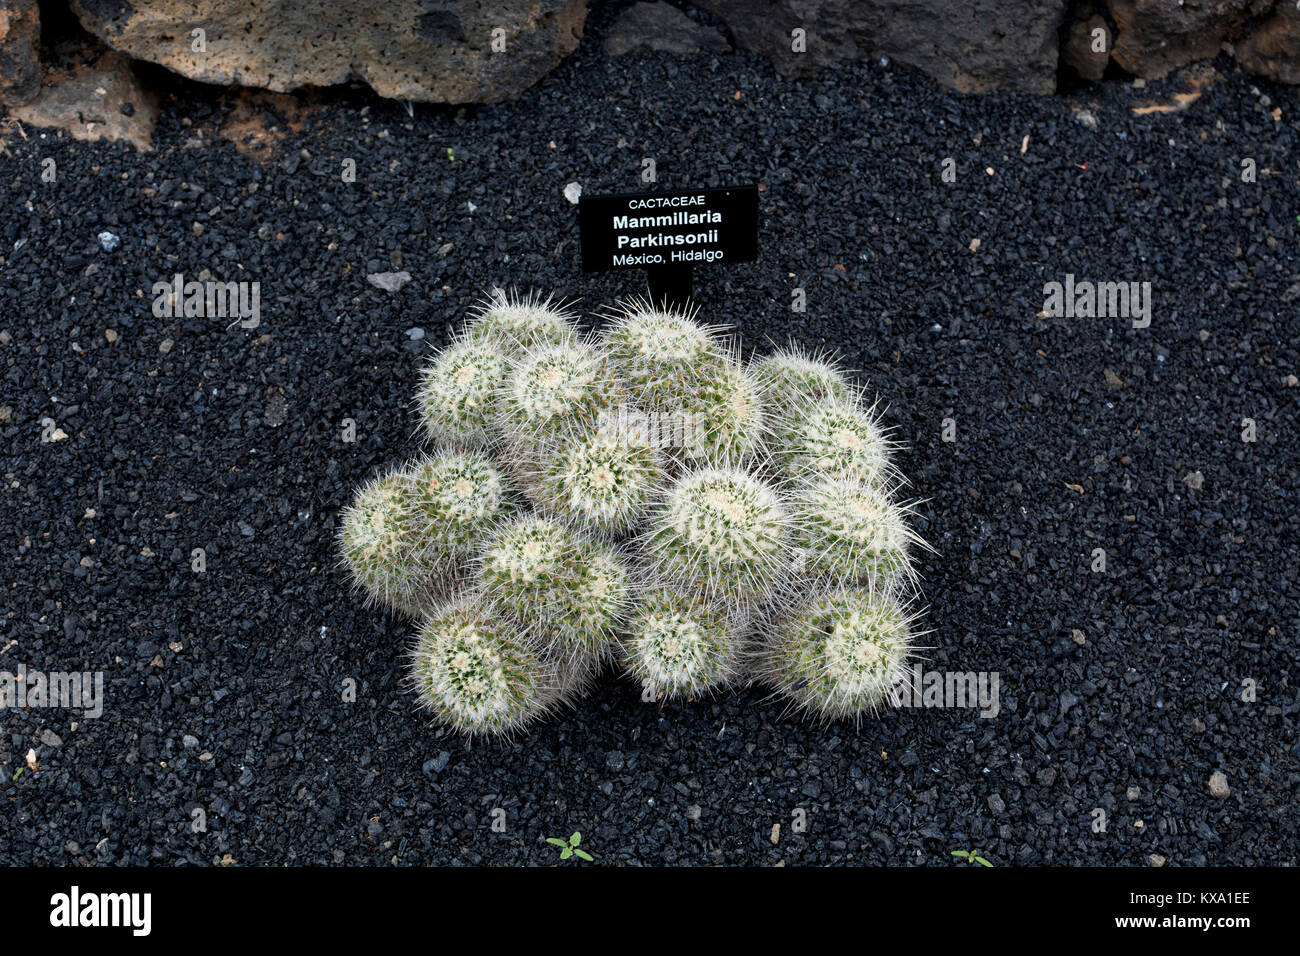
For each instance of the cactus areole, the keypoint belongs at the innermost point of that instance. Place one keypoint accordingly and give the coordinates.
(667, 234)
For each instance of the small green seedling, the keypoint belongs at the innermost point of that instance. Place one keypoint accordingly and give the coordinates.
(970, 856)
(570, 848)
(18, 773)
(451, 157)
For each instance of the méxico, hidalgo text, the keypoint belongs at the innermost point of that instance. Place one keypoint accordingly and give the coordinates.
(683, 256)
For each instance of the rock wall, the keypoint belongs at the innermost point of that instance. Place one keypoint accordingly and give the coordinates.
(1272, 49)
(20, 34)
(484, 51)
(971, 46)
(1155, 38)
(981, 45)
(428, 50)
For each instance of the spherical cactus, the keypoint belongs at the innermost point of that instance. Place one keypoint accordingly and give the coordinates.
(544, 576)
(831, 439)
(849, 531)
(511, 323)
(382, 542)
(578, 669)
(476, 673)
(658, 351)
(555, 392)
(679, 646)
(722, 531)
(602, 481)
(457, 499)
(790, 377)
(592, 603)
(840, 653)
(456, 398)
(723, 416)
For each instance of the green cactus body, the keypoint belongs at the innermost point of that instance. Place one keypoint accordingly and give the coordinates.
(381, 540)
(790, 378)
(724, 416)
(603, 481)
(658, 353)
(830, 439)
(456, 398)
(556, 392)
(679, 646)
(511, 324)
(475, 672)
(840, 653)
(457, 499)
(594, 602)
(546, 577)
(577, 669)
(723, 531)
(848, 531)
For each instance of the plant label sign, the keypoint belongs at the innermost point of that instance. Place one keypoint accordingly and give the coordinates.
(669, 233)
(641, 230)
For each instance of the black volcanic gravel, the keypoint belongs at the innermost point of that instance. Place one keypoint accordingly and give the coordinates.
(225, 688)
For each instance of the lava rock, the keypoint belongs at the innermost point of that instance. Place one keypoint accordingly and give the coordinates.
(1081, 51)
(970, 47)
(407, 49)
(1154, 39)
(1219, 785)
(89, 103)
(20, 36)
(1272, 48)
(659, 26)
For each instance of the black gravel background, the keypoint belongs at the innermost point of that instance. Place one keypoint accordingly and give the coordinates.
(184, 434)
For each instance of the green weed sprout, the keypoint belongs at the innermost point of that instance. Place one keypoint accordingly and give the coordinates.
(570, 847)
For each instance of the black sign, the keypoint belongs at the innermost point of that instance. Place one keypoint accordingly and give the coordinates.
(678, 229)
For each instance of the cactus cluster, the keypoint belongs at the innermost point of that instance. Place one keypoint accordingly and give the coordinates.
(639, 497)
